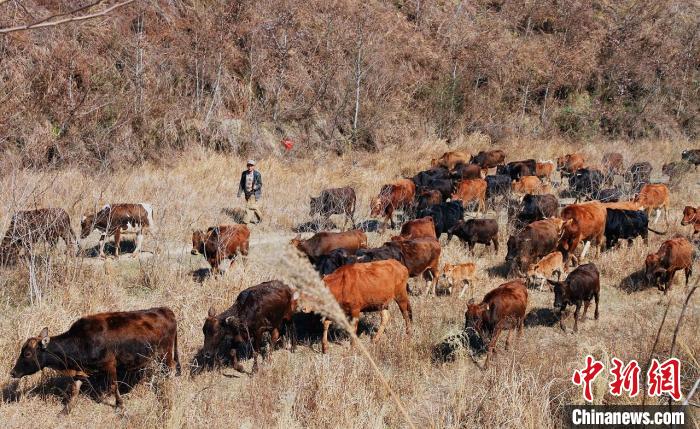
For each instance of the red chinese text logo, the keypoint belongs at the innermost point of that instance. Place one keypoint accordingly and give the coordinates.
(665, 378)
(584, 377)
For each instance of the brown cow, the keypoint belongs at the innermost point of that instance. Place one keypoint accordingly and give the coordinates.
(31, 226)
(674, 255)
(530, 185)
(221, 242)
(459, 273)
(471, 190)
(116, 219)
(582, 285)
(502, 308)
(544, 170)
(370, 286)
(417, 228)
(654, 196)
(545, 268)
(536, 240)
(428, 197)
(335, 201)
(392, 197)
(260, 309)
(489, 159)
(613, 163)
(323, 243)
(582, 222)
(623, 205)
(691, 215)
(569, 164)
(422, 257)
(101, 344)
(450, 159)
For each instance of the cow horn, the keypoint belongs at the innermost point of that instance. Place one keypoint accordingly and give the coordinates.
(487, 307)
(232, 321)
(212, 312)
(44, 335)
(471, 301)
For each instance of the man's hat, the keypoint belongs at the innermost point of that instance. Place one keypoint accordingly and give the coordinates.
(251, 162)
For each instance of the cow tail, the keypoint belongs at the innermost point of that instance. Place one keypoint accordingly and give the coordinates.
(176, 356)
(658, 232)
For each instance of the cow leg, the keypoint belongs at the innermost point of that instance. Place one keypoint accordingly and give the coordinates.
(492, 346)
(111, 370)
(658, 215)
(72, 393)
(578, 307)
(385, 315)
(139, 242)
(465, 285)
(234, 361)
(508, 339)
(495, 244)
(597, 301)
(585, 309)
(257, 345)
(117, 241)
(562, 316)
(324, 339)
(102, 245)
(688, 273)
(406, 312)
(585, 249)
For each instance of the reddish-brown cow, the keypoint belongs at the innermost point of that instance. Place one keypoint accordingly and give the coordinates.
(544, 170)
(691, 215)
(397, 196)
(370, 286)
(471, 190)
(654, 196)
(674, 255)
(417, 228)
(502, 308)
(323, 243)
(221, 242)
(582, 222)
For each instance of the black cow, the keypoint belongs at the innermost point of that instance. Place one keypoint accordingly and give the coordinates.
(423, 178)
(335, 201)
(626, 224)
(326, 264)
(260, 309)
(444, 186)
(692, 156)
(472, 231)
(609, 195)
(586, 183)
(638, 175)
(387, 251)
(537, 207)
(497, 185)
(518, 169)
(445, 215)
(582, 284)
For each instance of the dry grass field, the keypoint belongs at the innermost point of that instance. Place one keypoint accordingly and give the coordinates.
(523, 387)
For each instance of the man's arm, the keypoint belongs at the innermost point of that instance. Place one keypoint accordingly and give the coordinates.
(259, 180)
(241, 184)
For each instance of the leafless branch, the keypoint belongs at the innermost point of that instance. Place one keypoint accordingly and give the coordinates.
(49, 22)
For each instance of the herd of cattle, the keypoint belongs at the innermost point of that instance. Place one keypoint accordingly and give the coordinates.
(541, 247)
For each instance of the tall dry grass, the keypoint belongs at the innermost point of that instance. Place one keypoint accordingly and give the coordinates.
(525, 387)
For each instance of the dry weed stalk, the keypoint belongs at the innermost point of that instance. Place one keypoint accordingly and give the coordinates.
(291, 267)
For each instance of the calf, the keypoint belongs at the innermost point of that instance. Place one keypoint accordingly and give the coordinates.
(581, 285)
(367, 287)
(570, 163)
(326, 264)
(530, 185)
(31, 226)
(545, 268)
(101, 344)
(459, 273)
(691, 215)
(502, 308)
(674, 255)
(450, 159)
(397, 196)
(472, 231)
(116, 219)
(544, 170)
(220, 243)
(471, 190)
(654, 197)
(260, 309)
(626, 224)
(518, 169)
(692, 156)
(335, 201)
(322, 243)
(417, 228)
(444, 215)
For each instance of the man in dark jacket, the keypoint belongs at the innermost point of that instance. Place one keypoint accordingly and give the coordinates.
(251, 187)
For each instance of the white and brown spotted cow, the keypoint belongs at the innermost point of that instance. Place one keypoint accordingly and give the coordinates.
(117, 219)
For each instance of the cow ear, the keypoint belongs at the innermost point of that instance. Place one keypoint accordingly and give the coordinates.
(212, 312)
(44, 336)
(231, 321)
(553, 282)
(471, 301)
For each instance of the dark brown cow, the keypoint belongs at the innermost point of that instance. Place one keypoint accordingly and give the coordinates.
(417, 228)
(466, 171)
(570, 163)
(674, 255)
(323, 243)
(116, 219)
(450, 159)
(101, 344)
(472, 231)
(422, 257)
(335, 201)
(582, 222)
(370, 286)
(581, 285)
(533, 242)
(502, 308)
(397, 196)
(489, 158)
(613, 163)
(260, 309)
(32, 226)
(691, 216)
(221, 242)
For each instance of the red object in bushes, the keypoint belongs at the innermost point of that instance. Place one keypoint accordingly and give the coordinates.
(287, 143)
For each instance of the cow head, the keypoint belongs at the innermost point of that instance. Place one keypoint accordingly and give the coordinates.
(447, 273)
(653, 271)
(561, 293)
(219, 337)
(32, 358)
(198, 238)
(690, 215)
(456, 227)
(296, 241)
(562, 161)
(315, 206)
(475, 314)
(379, 205)
(87, 224)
